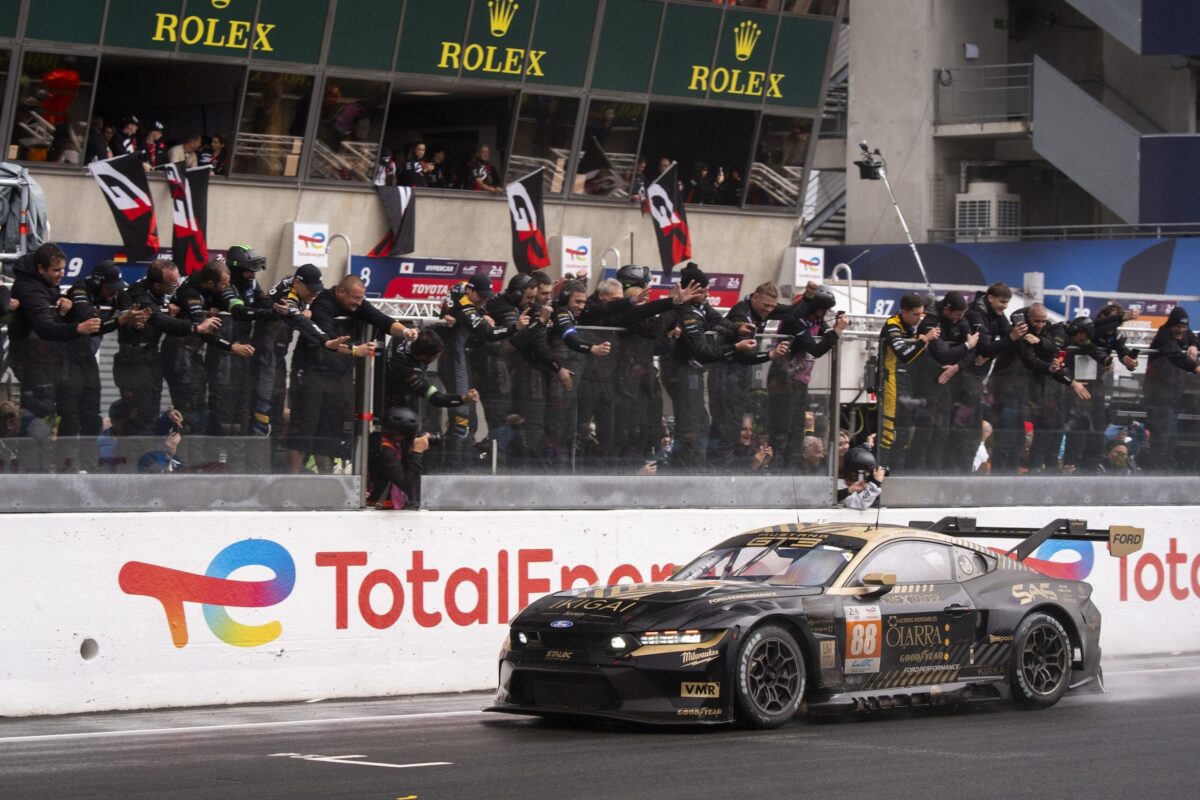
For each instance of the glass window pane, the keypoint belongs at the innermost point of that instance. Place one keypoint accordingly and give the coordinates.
(452, 127)
(271, 133)
(825, 8)
(608, 163)
(351, 123)
(778, 164)
(53, 96)
(543, 139)
(711, 146)
(188, 99)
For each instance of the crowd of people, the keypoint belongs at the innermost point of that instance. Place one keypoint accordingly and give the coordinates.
(547, 376)
(421, 166)
(153, 146)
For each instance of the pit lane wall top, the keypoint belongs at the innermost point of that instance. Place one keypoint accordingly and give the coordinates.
(126, 611)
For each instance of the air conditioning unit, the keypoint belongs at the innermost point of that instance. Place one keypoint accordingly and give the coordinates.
(987, 213)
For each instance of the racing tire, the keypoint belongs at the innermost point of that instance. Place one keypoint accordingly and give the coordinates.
(1039, 670)
(769, 678)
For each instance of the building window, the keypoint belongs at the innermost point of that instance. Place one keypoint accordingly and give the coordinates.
(461, 135)
(180, 99)
(608, 163)
(542, 140)
(710, 145)
(53, 95)
(271, 132)
(778, 166)
(824, 8)
(349, 130)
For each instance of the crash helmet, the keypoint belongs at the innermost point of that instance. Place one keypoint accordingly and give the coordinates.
(822, 299)
(859, 459)
(402, 420)
(632, 275)
(242, 257)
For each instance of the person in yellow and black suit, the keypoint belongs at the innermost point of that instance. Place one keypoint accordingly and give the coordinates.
(900, 345)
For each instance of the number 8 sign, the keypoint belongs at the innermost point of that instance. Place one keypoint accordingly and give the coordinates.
(864, 639)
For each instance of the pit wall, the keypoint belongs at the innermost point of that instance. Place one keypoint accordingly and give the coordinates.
(406, 603)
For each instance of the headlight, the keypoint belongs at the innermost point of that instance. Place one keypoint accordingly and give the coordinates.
(622, 643)
(671, 637)
(522, 638)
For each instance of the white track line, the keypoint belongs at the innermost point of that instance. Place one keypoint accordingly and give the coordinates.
(239, 726)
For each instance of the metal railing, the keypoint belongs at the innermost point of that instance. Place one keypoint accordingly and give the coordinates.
(995, 93)
(1043, 233)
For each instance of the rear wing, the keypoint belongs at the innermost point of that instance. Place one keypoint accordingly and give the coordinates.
(1122, 539)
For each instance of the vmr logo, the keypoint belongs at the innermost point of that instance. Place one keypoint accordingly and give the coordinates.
(215, 591)
(707, 690)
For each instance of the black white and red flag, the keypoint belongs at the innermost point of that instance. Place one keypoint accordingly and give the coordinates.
(123, 181)
(528, 238)
(400, 207)
(664, 201)
(189, 214)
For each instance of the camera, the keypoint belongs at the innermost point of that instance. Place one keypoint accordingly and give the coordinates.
(435, 439)
(886, 470)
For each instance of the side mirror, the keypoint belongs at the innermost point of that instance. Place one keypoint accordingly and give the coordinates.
(879, 583)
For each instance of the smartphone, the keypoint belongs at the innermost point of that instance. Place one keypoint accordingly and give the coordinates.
(1062, 356)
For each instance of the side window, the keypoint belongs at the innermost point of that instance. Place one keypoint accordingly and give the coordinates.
(971, 564)
(912, 562)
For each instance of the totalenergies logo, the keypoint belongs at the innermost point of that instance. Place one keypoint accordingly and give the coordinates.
(216, 591)
(1044, 559)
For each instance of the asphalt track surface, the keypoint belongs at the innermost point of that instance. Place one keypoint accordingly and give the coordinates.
(1139, 740)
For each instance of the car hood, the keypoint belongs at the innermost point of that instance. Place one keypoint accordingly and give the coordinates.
(631, 606)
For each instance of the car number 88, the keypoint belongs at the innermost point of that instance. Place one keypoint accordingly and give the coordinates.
(863, 639)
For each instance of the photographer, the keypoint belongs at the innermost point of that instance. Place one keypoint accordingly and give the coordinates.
(397, 461)
(861, 480)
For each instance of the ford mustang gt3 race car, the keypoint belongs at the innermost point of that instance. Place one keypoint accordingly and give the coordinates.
(837, 617)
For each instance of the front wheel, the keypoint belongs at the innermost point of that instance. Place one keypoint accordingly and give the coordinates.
(1040, 669)
(770, 677)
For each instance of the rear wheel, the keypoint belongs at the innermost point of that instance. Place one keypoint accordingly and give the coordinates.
(1040, 668)
(770, 677)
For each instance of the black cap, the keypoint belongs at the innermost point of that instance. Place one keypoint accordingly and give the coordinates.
(692, 274)
(1178, 317)
(155, 125)
(954, 301)
(481, 283)
(310, 276)
(130, 120)
(108, 275)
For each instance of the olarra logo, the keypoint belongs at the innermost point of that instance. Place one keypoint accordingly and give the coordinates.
(216, 591)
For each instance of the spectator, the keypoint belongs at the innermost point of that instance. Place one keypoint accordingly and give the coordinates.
(995, 355)
(638, 182)
(405, 384)
(492, 363)
(397, 461)
(37, 328)
(901, 345)
(860, 481)
(97, 144)
(186, 151)
(1176, 353)
(983, 453)
(163, 460)
(700, 190)
(154, 151)
(481, 175)
(125, 142)
(24, 440)
(1118, 461)
(437, 178)
(385, 170)
(416, 168)
(812, 457)
(216, 154)
(752, 452)
(1044, 353)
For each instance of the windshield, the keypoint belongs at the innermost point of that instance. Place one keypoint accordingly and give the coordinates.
(776, 565)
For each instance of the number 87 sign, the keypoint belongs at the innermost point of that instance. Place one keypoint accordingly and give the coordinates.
(864, 640)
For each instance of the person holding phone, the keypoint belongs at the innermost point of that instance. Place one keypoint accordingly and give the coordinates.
(1053, 388)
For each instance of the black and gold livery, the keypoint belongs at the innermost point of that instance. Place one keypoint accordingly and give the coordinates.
(830, 618)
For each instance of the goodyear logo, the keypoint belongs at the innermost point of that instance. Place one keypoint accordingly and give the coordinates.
(703, 690)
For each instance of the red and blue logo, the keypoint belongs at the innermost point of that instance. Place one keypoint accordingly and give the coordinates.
(215, 591)
(1072, 561)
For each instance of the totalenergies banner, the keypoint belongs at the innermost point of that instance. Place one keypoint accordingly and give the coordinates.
(420, 278)
(119, 611)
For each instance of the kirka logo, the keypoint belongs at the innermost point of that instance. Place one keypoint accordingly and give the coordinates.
(525, 223)
(215, 591)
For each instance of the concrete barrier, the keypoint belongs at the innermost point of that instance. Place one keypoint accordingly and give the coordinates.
(125, 611)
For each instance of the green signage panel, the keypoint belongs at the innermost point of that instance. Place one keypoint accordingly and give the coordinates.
(63, 20)
(626, 52)
(218, 28)
(562, 38)
(145, 24)
(685, 50)
(800, 57)
(364, 34)
(297, 27)
(498, 40)
(8, 17)
(740, 71)
(431, 40)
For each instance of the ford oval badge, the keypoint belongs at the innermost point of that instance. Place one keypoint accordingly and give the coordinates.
(562, 623)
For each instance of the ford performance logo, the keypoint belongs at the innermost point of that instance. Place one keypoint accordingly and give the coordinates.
(562, 623)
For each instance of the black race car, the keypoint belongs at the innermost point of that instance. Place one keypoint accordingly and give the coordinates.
(832, 617)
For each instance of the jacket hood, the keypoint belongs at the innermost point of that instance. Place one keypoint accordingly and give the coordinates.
(23, 268)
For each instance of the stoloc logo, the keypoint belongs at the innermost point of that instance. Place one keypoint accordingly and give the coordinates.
(752, 83)
(216, 591)
(493, 58)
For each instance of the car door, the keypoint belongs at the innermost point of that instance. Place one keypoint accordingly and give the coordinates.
(918, 633)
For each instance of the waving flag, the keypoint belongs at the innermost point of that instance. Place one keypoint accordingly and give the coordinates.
(664, 201)
(189, 213)
(528, 238)
(400, 206)
(123, 181)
